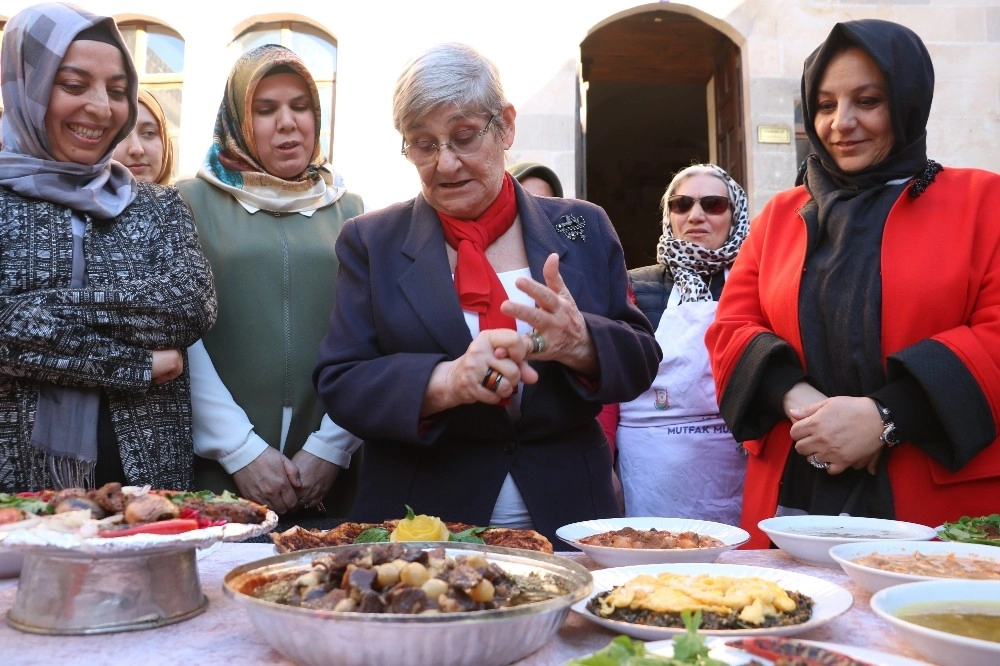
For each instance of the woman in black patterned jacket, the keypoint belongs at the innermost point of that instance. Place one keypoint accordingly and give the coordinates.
(102, 280)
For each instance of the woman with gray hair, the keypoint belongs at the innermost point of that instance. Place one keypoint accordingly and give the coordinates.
(676, 457)
(477, 328)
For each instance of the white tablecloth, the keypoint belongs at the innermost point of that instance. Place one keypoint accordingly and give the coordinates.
(224, 635)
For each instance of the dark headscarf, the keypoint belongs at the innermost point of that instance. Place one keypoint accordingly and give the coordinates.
(523, 170)
(841, 335)
(909, 77)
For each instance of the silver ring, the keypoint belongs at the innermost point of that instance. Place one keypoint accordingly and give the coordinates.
(537, 342)
(817, 463)
(496, 382)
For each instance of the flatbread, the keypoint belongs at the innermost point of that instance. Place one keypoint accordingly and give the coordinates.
(300, 538)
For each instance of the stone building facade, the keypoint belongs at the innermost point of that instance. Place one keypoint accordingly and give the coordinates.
(615, 95)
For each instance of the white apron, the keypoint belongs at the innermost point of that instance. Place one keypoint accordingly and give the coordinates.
(676, 456)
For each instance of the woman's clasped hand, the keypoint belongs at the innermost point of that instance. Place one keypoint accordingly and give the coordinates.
(837, 433)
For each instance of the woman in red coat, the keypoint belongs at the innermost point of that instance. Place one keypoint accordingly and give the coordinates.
(856, 349)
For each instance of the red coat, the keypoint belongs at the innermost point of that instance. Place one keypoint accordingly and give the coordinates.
(940, 279)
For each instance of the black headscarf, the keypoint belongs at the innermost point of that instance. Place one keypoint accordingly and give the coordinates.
(909, 77)
(840, 295)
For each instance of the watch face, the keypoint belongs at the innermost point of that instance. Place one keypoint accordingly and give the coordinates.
(889, 435)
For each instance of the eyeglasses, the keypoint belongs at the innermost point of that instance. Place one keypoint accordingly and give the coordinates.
(712, 204)
(464, 142)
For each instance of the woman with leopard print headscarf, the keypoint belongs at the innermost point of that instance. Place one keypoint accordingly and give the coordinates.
(676, 456)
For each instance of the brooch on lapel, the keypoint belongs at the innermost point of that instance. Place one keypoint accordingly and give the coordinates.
(572, 227)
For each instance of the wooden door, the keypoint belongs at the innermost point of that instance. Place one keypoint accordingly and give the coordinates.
(729, 128)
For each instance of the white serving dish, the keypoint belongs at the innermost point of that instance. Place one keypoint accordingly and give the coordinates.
(874, 579)
(830, 600)
(939, 646)
(485, 638)
(732, 657)
(732, 537)
(809, 538)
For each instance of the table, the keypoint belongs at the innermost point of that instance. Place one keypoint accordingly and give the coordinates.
(224, 634)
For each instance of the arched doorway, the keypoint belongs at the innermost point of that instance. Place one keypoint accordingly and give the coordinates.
(664, 90)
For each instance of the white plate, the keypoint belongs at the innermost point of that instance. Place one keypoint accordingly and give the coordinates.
(730, 657)
(809, 538)
(874, 579)
(731, 536)
(940, 646)
(829, 600)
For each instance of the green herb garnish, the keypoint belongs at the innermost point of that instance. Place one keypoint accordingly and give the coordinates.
(973, 530)
(373, 535)
(689, 650)
(689, 647)
(470, 535)
(27, 504)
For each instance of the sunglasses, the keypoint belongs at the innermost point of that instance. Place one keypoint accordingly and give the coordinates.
(712, 204)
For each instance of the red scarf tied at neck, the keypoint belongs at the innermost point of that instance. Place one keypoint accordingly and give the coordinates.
(479, 289)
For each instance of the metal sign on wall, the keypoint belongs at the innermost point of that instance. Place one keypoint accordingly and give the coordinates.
(773, 134)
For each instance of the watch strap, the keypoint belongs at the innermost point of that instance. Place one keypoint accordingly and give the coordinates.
(889, 436)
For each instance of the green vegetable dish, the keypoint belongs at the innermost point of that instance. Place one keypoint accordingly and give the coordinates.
(689, 650)
(984, 530)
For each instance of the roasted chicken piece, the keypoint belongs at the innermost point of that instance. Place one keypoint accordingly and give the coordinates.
(149, 508)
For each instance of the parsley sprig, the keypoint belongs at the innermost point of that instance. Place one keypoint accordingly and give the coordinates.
(689, 650)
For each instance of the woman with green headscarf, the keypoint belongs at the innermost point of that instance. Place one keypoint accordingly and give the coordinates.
(268, 214)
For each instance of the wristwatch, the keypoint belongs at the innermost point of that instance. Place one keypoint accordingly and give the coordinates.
(889, 436)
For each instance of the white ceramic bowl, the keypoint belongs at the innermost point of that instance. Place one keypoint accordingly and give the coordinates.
(939, 646)
(874, 579)
(731, 536)
(485, 638)
(809, 538)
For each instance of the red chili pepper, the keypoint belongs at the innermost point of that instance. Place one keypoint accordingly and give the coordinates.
(171, 526)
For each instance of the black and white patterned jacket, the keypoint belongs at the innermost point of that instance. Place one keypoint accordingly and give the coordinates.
(150, 287)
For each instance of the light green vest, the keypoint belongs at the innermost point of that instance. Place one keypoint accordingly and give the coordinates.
(274, 277)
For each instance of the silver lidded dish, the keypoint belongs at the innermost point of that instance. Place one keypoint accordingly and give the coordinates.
(75, 584)
(486, 638)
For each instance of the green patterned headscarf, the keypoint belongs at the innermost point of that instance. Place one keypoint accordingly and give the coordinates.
(233, 163)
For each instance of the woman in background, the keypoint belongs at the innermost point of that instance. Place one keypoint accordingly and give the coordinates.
(102, 282)
(147, 151)
(676, 457)
(536, 178)
(269, 215)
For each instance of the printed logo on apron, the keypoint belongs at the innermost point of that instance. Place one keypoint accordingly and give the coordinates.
(662, 400)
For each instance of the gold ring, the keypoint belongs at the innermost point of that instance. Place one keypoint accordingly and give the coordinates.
(496, 382)
(486, 379)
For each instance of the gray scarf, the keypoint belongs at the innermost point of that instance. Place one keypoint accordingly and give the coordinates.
(34, 43)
